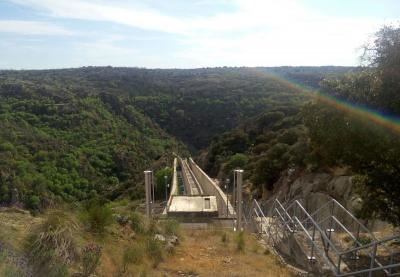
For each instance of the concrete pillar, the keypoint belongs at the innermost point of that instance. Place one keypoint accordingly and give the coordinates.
(148, 175)
(239, 185)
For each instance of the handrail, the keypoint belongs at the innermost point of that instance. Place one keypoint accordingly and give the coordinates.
(284, 216)
(353, 217)
(318, 227)
(333, 266)
(371, 244)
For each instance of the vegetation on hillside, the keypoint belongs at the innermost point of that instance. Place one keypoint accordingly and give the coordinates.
(75, 134)
(372, 151)
(57, 145)
(318, 135)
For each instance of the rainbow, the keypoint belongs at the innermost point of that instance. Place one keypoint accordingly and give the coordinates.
(391, 123)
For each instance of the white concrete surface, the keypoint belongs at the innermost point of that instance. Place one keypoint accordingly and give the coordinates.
(193, 204)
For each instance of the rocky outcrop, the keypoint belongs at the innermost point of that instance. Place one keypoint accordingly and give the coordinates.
(316, 188)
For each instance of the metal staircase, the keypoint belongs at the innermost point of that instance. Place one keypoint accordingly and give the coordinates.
(329, 241)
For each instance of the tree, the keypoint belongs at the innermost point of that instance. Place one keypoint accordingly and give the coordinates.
(343, 138)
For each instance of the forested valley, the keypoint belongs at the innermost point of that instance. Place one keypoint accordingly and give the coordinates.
(76, 134)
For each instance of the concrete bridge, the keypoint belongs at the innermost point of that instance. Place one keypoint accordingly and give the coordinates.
(195, 196)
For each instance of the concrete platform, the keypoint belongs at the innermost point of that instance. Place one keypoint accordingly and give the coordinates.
(193, 206)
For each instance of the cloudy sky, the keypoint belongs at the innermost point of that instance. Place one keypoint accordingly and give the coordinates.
(188, 33)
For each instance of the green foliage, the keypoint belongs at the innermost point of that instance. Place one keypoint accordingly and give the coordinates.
(276, 140)
(133, 255)
(137, 222)
(12, 271)
(171, 227)
(91, 254)
(155, 251)
(240, 242)
(163, 177)
(346, 139)
(33, 202)
(97, 217)
(236, 161)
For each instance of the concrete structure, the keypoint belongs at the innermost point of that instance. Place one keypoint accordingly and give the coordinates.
(195, 197)
(193, 205)
(211, 188)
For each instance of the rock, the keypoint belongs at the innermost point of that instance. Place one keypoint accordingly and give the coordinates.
(227, 260)
(159, 237)
(174, 240)
(121, 219)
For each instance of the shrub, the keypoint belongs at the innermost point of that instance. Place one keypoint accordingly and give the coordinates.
(132, 255)
(171, 227)
(98, 217)
(52, 245)
(137, 223)
(12, 271)
(33, 203)
(153, 227)
(236, 161)
(91, 254)
(240, 242)
(224, 238)
(155, 251)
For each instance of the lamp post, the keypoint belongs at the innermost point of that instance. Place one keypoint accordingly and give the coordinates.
(226, 189)
(166, 187)
(148, 188)
(239, 184)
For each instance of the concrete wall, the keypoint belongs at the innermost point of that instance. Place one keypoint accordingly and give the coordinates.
(174, 187)
(211, 188)
(185, 178)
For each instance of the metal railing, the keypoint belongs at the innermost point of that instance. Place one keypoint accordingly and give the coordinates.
(331, 236)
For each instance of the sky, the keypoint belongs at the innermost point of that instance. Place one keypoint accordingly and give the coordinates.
(40, 34)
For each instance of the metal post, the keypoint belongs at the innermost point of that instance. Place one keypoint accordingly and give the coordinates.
(330, 230)
(239, 180)
(153, 200)
(166, 188)
(147, 184)
(234, 190)
(372, 260)
(226, 189)
(312, 258)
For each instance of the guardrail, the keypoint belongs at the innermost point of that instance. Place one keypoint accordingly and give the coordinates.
(339, 244)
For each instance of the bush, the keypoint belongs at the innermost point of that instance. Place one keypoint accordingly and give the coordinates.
(12, 271)
(132, 255)
(52, 245)
(153, 227)
(98, 217)
(236, 161)
(224, 238)
(137, 223)
(240, 242)
(160, 181)
(171, 227)
(155, 251)
(91, 254)
(33, 203)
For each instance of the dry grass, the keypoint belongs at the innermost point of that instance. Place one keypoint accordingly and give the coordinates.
(203, 253)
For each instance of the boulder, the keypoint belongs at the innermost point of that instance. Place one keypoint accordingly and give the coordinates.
(159, 237)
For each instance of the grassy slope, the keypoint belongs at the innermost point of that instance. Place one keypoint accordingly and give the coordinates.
(211, 258)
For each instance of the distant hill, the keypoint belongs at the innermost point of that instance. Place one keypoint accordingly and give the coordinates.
(309, 76)
(71, 134)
